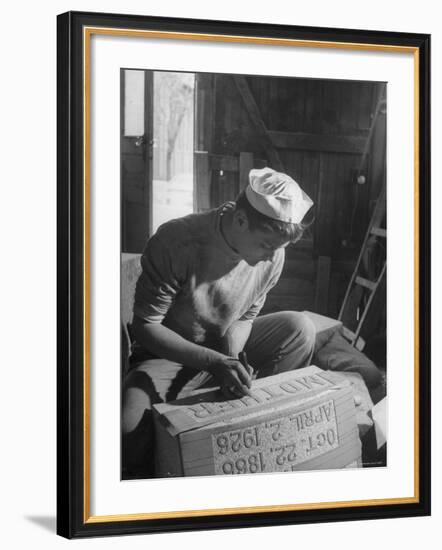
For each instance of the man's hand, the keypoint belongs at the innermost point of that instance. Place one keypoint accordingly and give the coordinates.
(234, 378)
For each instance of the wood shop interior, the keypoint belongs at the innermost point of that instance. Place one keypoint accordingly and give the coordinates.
(188, 143)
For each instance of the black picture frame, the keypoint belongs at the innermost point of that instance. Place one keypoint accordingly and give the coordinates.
(73, 517)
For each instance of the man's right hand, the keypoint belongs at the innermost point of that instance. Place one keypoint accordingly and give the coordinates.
(233, 378)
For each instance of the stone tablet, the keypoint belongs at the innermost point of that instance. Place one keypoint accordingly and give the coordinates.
(300, 420)
(279, 444)
(210, 406)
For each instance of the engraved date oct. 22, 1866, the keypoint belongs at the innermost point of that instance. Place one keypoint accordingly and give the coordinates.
(279, 444)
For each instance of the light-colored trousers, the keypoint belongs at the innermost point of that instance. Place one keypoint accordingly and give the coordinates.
(278, 342)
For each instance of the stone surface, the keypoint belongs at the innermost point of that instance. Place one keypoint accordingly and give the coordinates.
(279, 444)
(380, 422)
(300, 420)
(362, 399)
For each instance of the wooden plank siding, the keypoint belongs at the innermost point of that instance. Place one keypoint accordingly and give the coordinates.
(258, 123)
(245, 165)
(317, 131)
(135, 172)
(301, 141)
(202, 198)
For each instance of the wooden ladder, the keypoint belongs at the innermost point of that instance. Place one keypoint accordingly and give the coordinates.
(374, 232)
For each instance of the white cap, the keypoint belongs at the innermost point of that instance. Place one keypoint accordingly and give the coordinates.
(277, 195)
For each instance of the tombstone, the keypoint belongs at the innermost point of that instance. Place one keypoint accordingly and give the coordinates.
(298, 420)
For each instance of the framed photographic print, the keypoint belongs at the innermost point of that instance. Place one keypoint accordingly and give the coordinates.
(243, 274)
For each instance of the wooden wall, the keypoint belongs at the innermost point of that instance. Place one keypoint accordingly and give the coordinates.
(318, 132)
(136, 173)
(323, 133)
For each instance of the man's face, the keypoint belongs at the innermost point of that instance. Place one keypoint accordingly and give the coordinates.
(256, 245)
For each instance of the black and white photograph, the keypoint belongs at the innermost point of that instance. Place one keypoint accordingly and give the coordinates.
(232, 350)
(203, 346)
(253, 274)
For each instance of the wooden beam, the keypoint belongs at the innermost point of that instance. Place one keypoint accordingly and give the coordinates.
(231, 164)
(224, 162)
(299, 141)
(325, 205)
(366, 283)
(201, 194)
(205, 107)
(322, 285)
(245, 165)
(256, 118)
(379, 232)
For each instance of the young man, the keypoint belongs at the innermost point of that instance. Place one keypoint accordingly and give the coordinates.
(204, 280)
